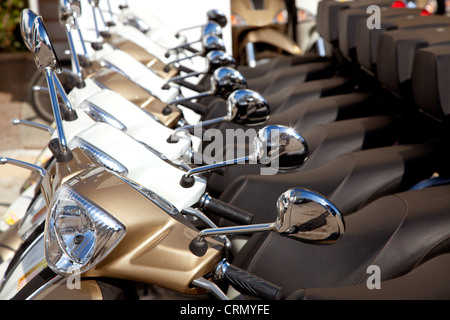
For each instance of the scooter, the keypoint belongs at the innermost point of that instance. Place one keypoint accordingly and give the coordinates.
(88, 235)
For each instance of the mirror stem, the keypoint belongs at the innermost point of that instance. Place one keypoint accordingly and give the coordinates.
(182, 59)
(98, 43)
(187, 180)
(184, 45)
(174, 136)
(199, 246)
(23, 164)
(211, 232)
(189, 28)
(105, 24)
(74, 57)
(201, 95)
(56, 111)
(110, 10)
(62, 92)
(80, 35)
(185, 76)
(217, 165)
(34, 125)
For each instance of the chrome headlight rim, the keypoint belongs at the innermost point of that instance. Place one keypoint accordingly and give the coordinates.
(71, 249)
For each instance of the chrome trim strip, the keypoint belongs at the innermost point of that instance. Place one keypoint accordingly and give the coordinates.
(45, 286)
(99, 156)
(99, 115)
(153, 197)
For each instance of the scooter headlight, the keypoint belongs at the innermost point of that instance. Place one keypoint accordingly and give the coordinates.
(79, 234)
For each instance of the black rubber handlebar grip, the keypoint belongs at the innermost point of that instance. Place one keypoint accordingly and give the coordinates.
(227, 211)
(247, 283)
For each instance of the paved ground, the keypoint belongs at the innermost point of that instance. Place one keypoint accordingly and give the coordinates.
(19, 142)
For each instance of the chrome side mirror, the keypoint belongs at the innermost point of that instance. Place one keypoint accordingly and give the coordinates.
(209, 43)
(44, 53)
(217, 59)
(244, 106)
(34, 34)
(213, 15)
(65, 13)
(307, 216)
(27, 18)
(217, 16)
(212, 28)
(282, 143)
(224, 81)
(303, 215)
(247, 107)
(278, 145)
(47, 62)
(68, 20)
(212, 42)
(76, 7)
(137, 23)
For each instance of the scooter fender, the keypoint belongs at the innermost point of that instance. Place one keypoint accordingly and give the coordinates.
(26, 268)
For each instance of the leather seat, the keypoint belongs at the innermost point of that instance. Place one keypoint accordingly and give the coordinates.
(397, 233)
(308, 114)
(328, 19)
(349, 181)
(430, 79)
(367, 43)
(325, 143)
(273, 81)
(396, 54)
(429, 281)
(312, 113)
(353, 21)
(289, 96)
(276, 78)
(275, 64)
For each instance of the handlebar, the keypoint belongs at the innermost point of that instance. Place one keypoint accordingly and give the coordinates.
(225, 210)
(248, 283)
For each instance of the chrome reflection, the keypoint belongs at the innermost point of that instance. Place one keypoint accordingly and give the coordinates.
(99, 115)
(99, 156)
